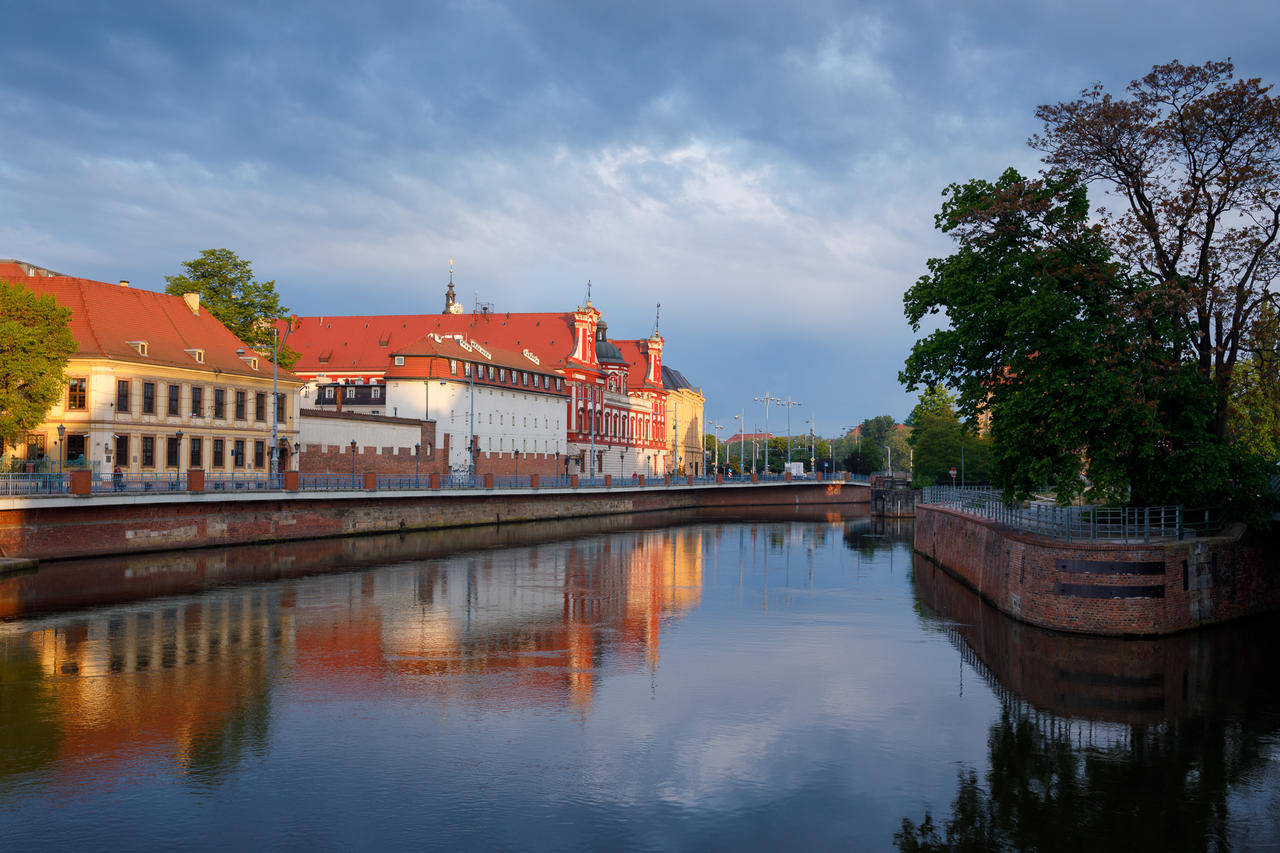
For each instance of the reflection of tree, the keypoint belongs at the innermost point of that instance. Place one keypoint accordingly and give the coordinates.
(217, 751)
(29, 733)
(1161, 787)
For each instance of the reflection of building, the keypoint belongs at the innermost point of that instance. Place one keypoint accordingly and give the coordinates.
(162, 681)
(156, 384)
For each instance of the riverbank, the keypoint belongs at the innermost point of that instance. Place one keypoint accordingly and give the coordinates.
(49, 528)
(1104, 588)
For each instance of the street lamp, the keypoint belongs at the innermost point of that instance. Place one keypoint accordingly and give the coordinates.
(353, 460)
(766, 399)
(715, 428)
(788, 405)
(179, 437)
(742, 440)
(417, 451)
(62, 445)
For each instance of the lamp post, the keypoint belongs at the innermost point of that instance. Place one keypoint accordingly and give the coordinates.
(417, 452)
(788, 405)
(715, 428)
(675, 458)
(297, 449)
(766, 399)
(179, 437)
(62, 445)
(353, 461)
(275, 399)
(742, 440)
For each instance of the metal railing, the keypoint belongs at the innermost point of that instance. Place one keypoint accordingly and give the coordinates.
(26, 484)
(1079, 523)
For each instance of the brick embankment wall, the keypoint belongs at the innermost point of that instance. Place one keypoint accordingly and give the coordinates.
(61, 528)
(1104, 588)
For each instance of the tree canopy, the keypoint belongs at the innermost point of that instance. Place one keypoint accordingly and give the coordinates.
(1192, 160)
(228, 291)
(35, 344)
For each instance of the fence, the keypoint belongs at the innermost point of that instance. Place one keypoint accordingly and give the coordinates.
(27, 484)
(1080, 523)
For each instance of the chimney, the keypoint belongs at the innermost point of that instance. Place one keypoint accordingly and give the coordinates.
(124, 282)
(193, 302)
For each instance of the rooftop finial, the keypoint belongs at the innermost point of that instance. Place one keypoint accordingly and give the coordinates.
(657, 319)
(588, 292)
(451, 304)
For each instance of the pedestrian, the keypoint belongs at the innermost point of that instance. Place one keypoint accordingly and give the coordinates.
(117, 479)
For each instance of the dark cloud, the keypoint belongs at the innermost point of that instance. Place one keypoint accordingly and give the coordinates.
(768, 171)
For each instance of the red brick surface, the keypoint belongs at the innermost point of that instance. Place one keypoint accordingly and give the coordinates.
(1226, 576)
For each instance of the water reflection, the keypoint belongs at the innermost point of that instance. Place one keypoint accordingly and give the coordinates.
(1159, 742)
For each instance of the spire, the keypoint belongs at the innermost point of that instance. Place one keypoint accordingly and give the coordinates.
(451, 304)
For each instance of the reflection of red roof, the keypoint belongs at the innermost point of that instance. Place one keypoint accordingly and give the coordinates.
(106, 318)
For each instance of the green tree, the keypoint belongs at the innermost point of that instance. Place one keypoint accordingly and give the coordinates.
(1069, 353)
(228, 291)
(35, 344)
(1253, 423)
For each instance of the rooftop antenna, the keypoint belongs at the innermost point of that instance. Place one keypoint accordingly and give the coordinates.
(657, 319)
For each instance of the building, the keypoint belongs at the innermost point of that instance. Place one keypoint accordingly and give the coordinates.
(552, 391)
(157, 384)
(684, 413)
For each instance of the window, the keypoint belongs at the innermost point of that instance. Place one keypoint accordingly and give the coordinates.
(219, 402)
(122, 451)
(240, 403)
(328, 393)
(196, 457)
(279, 408)
(259, 454)
(466, 369)
(558, 381)
(122, 395)
(524, 378)
(375, 392)
(173, 446)
(399, 361)
(260, 406)
(219, 459)
(75, 393)
(148, 451)
(174, 391)
(237, 453)
(197, 401)
(491, 373)
(502, 374)
(351, 393)
(453, 366)
(35, 446)
(148, 398)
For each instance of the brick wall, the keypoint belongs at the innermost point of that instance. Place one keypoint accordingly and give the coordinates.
(336, 458)
(75, 527)
(1103, 588)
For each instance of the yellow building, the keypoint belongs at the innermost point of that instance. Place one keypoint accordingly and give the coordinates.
(156, 384)
(684, 419)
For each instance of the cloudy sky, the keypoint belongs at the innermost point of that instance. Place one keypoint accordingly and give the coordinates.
(768, 172)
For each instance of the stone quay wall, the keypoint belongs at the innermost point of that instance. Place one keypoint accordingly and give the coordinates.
(1104, 588)
(62, 528)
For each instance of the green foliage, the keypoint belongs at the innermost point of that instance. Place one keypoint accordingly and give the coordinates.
(35, 344)
(227, 290)
(941, 442)
(1253, 421)
(877, 430)
(1070, 355)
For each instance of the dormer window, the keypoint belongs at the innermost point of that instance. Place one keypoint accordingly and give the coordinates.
(142, 347)
(197, 354)
(399, 361)
(250, 360)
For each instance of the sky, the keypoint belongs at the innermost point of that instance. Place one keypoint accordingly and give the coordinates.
(768, 172)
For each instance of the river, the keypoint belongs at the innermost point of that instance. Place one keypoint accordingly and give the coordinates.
(658, 682)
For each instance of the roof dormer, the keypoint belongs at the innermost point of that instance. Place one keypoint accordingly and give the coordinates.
(142, 347)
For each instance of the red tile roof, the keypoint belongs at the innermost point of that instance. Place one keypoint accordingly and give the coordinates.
(105, 318)
(450, 347)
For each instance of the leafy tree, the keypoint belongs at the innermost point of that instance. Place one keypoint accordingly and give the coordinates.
(864, 459)
(878, 429)
(227, 290)
(1192, 157)
(1253, 423)
(1066, 351)
(35, 344)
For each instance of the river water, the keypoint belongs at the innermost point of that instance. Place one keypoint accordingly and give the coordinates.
(692, 682)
